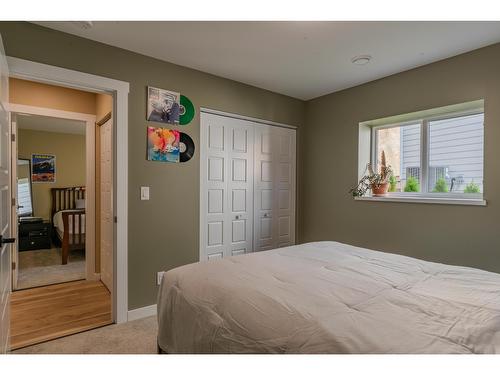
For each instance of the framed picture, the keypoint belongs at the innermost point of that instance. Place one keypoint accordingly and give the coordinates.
(163, 144)
(163, 106)
(43, 168)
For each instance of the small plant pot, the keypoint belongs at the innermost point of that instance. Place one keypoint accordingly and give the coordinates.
(380, 190)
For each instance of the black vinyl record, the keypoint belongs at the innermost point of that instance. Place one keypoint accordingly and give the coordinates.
(186, 147)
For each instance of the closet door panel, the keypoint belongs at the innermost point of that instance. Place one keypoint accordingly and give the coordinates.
(274, 187)
(240, 188)
(213, 205)
(263, 185)
(284, 193)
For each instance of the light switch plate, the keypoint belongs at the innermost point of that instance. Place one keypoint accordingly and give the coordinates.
(144, 193)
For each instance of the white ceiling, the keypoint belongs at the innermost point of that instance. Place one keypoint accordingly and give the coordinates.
(300, 59)
(50, 124)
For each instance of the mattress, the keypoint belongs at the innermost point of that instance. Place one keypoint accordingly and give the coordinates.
(59, 225)
(328, 297)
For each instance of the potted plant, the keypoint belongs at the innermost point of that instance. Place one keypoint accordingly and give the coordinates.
(472, 188)
(377, 182)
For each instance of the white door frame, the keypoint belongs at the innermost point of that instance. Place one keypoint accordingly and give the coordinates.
(33, 71)
(89, 173)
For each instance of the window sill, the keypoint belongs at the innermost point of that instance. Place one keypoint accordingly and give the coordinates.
(399, 199)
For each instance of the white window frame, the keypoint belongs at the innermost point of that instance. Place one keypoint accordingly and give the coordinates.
(423, 118)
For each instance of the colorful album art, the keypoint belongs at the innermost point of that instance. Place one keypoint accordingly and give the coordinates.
(43, 168)
(163, 144)
(163, 106)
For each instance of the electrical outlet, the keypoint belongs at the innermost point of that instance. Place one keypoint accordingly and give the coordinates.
(159, 276)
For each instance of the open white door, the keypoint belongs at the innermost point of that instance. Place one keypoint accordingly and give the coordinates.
(106, 214)
(5, 204)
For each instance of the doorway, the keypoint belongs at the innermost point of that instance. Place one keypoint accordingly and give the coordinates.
(51, 161)
(29, 70)
(56, 278)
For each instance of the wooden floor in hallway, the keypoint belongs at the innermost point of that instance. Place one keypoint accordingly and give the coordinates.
(45, 313)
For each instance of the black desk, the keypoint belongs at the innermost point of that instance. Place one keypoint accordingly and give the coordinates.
(34, 236)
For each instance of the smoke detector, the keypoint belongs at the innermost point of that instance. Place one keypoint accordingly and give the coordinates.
(85, 25)
(361, 59)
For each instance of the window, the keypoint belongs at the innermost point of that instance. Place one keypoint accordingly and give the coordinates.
(436, 153)
(401, 145)
(456, 154)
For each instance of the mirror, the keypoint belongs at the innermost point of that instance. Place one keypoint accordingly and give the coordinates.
(24, 193)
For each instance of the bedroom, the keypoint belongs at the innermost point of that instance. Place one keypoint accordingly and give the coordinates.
(324, 132)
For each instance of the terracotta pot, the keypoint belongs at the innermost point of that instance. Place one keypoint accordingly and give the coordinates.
(381, 190)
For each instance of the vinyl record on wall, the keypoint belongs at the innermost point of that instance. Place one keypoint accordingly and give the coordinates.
(186, 147)
(186, 111)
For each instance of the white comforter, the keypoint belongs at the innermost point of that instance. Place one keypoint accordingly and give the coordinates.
(328, 297)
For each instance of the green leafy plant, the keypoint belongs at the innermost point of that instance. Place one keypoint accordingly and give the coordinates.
(472, 188)
(393, 182)
(441, 186)
(412, 185)
(373, 180)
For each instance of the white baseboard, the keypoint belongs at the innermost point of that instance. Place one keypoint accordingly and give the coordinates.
(142, 312)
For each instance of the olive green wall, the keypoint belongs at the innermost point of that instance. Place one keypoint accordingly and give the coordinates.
(163, 232)
(462, 235)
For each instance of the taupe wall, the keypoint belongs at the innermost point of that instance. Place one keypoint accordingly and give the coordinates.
(69, 150)
(163, 232)
(451, 234)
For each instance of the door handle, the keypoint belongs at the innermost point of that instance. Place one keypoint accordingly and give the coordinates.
(7, 240)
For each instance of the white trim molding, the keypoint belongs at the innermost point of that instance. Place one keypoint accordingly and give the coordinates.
(142, 312)
(241, 117)
(414, 199)
(49, 74)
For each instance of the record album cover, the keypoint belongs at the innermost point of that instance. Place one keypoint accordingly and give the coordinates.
(163, 144)
(163, 106)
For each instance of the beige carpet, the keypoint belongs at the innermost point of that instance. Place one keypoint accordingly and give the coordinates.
(135, 337)
(43, 267)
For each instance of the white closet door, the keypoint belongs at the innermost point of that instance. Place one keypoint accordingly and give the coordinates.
(240, 187)
(226, 200)
(263, 194)
(275, 175)
(284, 189)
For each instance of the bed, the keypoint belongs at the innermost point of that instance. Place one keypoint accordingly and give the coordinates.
(68, 218)
(328, 297)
